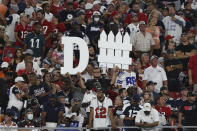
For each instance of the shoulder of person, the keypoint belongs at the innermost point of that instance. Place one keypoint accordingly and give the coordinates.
(166, 18)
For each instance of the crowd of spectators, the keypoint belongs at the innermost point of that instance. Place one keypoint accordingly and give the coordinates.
(158, 89)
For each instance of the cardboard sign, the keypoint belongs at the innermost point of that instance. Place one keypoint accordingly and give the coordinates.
(68, 55)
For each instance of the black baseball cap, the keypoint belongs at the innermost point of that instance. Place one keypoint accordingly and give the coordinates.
(151, 83)
(163, 88)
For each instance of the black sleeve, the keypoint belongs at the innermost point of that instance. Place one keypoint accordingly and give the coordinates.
(15, 90)
(181, 109)
(46, 87)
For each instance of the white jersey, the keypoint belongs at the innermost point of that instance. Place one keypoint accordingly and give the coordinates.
(48, 16)
(126, 79)
(3, 125)
(13, 100)
(11, 27)
(100, 115)
(172, 28)
(31, 10)
(151, 118)
(88, 97)
(133, 29)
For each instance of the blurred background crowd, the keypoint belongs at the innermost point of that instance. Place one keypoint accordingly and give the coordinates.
(159, 88)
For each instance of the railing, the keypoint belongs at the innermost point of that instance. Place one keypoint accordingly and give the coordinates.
(83, 128)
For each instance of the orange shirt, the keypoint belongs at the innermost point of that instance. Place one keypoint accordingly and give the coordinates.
(3, 9)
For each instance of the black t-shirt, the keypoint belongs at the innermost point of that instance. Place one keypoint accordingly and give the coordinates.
(175, 73)
(52, 112)
(189, 111)
(3, 94)
(185, 49)
(37, 90)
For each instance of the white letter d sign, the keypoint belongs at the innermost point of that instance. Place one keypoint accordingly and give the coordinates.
(68, 55)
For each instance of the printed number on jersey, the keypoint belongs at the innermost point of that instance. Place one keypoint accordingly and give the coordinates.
(132, 113)
(35, 44)
(45, 29)
(23, 34)
(100, 112)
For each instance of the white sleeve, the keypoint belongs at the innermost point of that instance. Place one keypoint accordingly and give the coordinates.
(37, 69)
(81, 120)
(85, 100)
(110, 102)
(133, 39)
(92, 103)
(17, 67)
(164, 77)
(156, 115)
(138, 117)
(145, 75)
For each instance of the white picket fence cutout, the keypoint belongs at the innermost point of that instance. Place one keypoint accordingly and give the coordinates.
(114, 50)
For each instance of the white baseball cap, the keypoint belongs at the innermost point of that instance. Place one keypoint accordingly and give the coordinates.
(4, 65)
(147, 107)
(96, 2)
(18, 79)
(96, 13)
(88, 6)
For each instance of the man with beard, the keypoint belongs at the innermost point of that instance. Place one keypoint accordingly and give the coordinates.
(47, 28)
(38, 89)
(136, 9)
(147, 118)
(52, 112)
(101, 114)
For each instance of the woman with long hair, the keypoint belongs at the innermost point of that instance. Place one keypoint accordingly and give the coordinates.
(154, 30)
(18, 57)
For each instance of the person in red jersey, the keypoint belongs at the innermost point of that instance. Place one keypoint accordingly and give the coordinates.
(192, 72)
(47, 28)
(162, 108)
(21, 30)
(56, 7)
(59, 27)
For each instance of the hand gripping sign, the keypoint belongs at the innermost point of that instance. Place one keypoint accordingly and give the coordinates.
(68, 55)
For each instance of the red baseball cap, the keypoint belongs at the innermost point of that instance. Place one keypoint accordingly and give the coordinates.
(168, 37)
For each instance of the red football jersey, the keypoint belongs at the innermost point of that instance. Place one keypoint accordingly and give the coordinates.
(47, 28)
(141, 17)
(165, 110)
(22, 32)
(55, 10)
(60, 28)
(9, 52)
